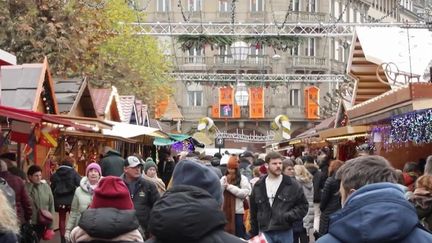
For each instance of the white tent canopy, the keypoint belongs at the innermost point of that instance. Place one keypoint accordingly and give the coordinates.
(409, 50)
(126, 130)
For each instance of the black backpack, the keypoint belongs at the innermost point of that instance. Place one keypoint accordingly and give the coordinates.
(27, 234)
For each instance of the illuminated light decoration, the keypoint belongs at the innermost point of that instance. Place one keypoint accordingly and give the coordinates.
(348, 137)
(282, 122)
(413, 127)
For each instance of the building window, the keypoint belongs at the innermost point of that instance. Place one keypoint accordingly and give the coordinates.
(295, 50)
(295, 97)
(163, 5)
(196, 55)
(195, 5)
(296, 5)
(195, 98)
(224, 6)
(310, 48)
(311, 6)
(257, 5)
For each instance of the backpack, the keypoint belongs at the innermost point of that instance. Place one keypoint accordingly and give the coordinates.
(8, 192)
(28, 234)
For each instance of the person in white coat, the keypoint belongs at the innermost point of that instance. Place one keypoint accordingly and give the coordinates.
(83, 196)
(236, 190)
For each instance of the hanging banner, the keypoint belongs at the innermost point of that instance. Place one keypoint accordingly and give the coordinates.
(49, 136)
(312, 102)
(20, 131)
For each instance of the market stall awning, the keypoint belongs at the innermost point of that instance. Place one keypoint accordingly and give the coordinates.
(37, 117)
(344, 132)
(96, 135)
(95, 123)
(132, 131)
(173, 138)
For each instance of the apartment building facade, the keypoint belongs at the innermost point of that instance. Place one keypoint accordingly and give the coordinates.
(314, 55)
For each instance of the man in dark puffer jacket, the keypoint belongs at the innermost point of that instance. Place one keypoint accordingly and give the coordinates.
(188, 212)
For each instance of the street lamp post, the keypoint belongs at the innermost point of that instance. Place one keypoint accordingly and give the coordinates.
(240, 52)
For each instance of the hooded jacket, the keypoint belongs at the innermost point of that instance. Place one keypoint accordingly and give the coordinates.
(188, 214)
(81, 201)
(376, 213)
(309, 194)
(317, 175)
(107, 225)
(112, 163)
(63, 184)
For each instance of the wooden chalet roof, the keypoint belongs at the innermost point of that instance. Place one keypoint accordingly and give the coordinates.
(129, 109)
(22, 86)
(74, 98)
(107, 101)
(172, 112)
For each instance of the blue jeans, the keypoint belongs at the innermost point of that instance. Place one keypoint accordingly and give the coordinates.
(285, 236)
(240, 230)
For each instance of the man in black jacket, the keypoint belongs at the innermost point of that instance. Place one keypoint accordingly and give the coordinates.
(275, 203)
(111, 163)
(143, 193)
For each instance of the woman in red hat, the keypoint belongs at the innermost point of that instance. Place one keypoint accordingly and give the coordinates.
(236, 189)
(110, 217)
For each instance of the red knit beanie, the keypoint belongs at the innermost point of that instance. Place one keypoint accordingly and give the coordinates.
(233, 162)
(111, 192)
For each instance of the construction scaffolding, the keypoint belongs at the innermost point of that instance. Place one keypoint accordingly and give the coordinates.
(260, 29)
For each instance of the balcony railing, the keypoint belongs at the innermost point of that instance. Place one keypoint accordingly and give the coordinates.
(194, 111)
(221, 60)
(244, 17)
(316, 62)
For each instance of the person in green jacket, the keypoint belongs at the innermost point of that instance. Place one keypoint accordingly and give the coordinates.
(41, 195)
(83, 196)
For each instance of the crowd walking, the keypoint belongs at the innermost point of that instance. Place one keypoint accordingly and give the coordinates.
(245, 198)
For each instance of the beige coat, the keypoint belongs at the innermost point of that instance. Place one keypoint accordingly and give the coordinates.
(79, 235)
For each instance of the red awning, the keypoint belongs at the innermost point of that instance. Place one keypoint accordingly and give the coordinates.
(37, 117)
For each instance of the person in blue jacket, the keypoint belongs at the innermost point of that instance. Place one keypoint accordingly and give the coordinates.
(374, 208)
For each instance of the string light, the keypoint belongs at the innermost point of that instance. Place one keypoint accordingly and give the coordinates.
(413, 127)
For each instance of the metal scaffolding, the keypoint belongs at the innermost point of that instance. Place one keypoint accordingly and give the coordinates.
(269, 29)
(248, 78)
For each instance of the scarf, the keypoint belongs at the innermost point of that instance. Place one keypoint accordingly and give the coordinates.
(229, 208)
(158, 183)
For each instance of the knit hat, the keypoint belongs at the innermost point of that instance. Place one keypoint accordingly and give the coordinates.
(263, 169)
(148, 164)
(192, 173)
(233, 162)
(111, 192)
(93, 166)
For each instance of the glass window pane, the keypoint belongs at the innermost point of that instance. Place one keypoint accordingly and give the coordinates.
(191, 98)
(198, 98)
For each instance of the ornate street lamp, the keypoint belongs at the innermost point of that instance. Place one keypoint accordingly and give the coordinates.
(240, 52)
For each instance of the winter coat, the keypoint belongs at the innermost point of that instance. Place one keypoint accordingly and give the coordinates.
(81, 200)
(143, 198)
(112, 163)
(8, 237)
(107, 225)
(240, 193)
(330, 203)
(157, 182)
(42, 198)
(23, 202)
(309, 194)
(188, 214)
(289, 205)
(63, 185)
(422, 201)
(317, 176)
(376, 213)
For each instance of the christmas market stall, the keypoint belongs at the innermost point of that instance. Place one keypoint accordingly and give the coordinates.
(393, 91)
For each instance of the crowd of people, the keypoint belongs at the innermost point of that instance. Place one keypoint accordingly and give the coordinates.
(193, 197)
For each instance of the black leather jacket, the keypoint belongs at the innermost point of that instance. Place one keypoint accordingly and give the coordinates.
(289, 205)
